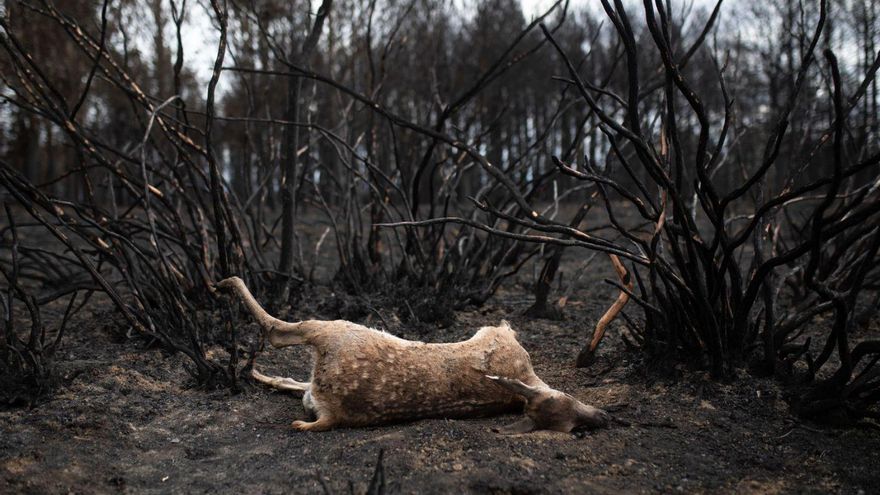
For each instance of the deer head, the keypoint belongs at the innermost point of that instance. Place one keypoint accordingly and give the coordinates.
(549, 409)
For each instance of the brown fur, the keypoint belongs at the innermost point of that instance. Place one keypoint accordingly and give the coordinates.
(362, 376)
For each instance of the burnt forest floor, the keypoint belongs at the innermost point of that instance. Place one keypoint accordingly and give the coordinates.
(126, 417)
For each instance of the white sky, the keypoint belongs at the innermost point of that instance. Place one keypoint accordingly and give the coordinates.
(200, 39)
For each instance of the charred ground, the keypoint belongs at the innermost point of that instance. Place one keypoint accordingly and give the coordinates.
(125, 418)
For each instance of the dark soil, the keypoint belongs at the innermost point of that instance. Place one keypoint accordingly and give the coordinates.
(126, 419)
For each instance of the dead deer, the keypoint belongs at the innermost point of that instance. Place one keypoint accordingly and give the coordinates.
(363, 376)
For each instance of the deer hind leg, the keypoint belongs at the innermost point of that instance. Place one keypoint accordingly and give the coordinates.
(323, 423)
(281, 333)
(280, 382)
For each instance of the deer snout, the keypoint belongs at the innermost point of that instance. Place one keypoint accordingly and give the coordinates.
(592, 417)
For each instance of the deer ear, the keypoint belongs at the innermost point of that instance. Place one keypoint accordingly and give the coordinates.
(525, 425)
(515, 386)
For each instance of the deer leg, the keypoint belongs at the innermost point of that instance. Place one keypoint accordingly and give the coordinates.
(281, 333)
(280, 382)
(525, 425)
(323, 423)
